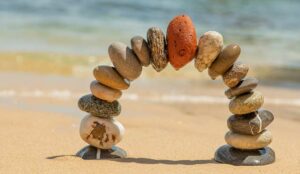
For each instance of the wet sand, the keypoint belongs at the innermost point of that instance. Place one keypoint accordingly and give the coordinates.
(39, 131)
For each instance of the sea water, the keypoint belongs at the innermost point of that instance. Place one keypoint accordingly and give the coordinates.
(267, 30)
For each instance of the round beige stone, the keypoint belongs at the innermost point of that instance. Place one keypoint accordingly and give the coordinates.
(209, 47)
(125, 61)
(246, 103)
(140, 48)
(235, 74)
(248, 142)
(101, 133)
(110, 77)
(103, 92)
(224, 60)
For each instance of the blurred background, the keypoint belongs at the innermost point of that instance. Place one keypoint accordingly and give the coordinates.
(48, 48)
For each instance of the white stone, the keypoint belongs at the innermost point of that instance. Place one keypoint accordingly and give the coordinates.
(209, 46)
(102, 133)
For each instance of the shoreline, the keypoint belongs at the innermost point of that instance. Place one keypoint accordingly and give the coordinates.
(82, 66)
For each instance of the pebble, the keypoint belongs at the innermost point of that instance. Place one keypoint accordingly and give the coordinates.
(224, 60)
(250, 124)
(182, 41)
(103, 92)
(140, 48)
(93, 153)
(248, 142)
(235, 74)
(98, 107)
(102, 133)
(245, 86)
(125, 61)
(209, 46)
(229, 155)
(246, 103)
(110, 77)
(157, 45)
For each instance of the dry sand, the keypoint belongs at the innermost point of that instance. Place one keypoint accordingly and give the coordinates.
(160, 137)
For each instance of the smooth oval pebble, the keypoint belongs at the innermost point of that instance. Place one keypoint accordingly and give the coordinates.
(101, 133)
(103, 92)
(248, 142)
(209, 46)
(229, 155)
(235, 74)
(110, 77)
(98, 107)
(246, 103)
(182, 41)
(140, 48)
(245, 86)
(92, 153)
(125, 61)
(157, 45)
(250, 124)
(224, 61)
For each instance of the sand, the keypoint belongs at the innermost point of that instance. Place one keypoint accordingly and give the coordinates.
(40, 134)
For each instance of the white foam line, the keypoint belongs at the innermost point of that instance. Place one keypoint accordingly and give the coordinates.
(167, 98)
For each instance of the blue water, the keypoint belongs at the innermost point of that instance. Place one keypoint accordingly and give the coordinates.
(267, 30)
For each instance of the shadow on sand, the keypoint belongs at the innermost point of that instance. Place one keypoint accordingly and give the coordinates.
(147, 160)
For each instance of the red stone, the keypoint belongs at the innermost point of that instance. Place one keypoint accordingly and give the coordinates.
(182, 41)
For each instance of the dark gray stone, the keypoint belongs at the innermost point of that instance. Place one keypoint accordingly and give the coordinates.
(250, 124)
(243, 87)
(93, 153)
(98, 107)
(229, 155)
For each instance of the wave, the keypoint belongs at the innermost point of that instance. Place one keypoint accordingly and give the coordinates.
(168, 98)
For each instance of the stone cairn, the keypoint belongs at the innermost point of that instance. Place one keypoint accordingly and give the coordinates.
(247, 138)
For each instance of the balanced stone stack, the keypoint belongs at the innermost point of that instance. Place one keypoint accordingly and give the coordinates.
(100, 129)
(247, 137)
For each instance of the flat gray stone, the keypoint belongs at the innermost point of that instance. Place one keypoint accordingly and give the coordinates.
(250, 124)
(229, 155)
(98, 107)
(93, 153)
(245, 86)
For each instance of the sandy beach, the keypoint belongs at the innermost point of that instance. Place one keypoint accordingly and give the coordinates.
(39, 128)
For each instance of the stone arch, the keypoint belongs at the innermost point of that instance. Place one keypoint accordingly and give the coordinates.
(247, 139)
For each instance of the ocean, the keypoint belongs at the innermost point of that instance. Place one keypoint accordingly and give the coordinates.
(267, 30)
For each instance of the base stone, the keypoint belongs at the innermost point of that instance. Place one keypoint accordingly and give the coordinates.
(229, 155)
(93, 153)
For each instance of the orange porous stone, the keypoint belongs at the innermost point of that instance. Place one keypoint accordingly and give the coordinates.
(182, 41)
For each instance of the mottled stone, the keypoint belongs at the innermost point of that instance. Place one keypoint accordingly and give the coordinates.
(103, 92)
(102, 133)
(140, 48)
(209, 46)
(98, 107)
(250, 124)
(125, 61)
(246, 103)
(182, 41)
(235, 74)
(224, 61)
(229, 155)
(245, 86)
(157, 45)
(248, 142)
(110, 77)
(93, 153)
